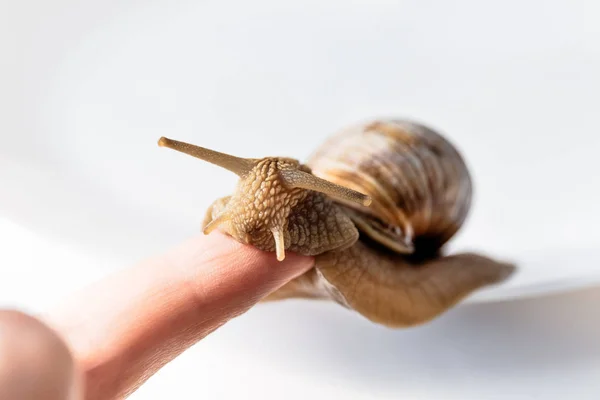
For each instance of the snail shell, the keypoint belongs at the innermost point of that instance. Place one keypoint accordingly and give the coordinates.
(374, 205)
(419, 183)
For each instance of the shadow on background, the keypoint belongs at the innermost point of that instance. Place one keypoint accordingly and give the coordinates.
(523, 342)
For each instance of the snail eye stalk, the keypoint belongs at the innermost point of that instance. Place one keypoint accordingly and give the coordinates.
(237, 165)
(299, 179)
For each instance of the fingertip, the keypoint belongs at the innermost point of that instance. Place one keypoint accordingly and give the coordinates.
(218, 261)
(293, 264)
(219, 245)
(275, 273)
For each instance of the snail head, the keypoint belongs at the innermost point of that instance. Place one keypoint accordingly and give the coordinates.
(266, 193)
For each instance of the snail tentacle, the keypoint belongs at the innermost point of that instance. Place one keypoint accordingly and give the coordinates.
(237, 165)
(303, 180)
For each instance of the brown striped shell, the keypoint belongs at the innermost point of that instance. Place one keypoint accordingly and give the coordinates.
(419, 183)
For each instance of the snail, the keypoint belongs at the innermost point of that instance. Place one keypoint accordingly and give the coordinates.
(374, 204)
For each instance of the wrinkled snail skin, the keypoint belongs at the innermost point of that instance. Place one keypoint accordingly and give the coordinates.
(389, 290)
(374, 205)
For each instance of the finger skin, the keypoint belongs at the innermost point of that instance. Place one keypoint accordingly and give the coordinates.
(35, 363)
(128, 326)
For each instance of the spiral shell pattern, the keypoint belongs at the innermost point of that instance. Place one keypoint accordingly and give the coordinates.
(417, 179)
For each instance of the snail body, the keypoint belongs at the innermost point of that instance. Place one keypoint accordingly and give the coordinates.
(374, 205)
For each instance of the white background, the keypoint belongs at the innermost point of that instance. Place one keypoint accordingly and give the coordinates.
(87, 87)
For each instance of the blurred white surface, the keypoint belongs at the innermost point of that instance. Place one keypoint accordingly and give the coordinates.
(536, 348)
(87, 88)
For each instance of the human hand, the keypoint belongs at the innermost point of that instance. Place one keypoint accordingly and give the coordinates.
(106, 341)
